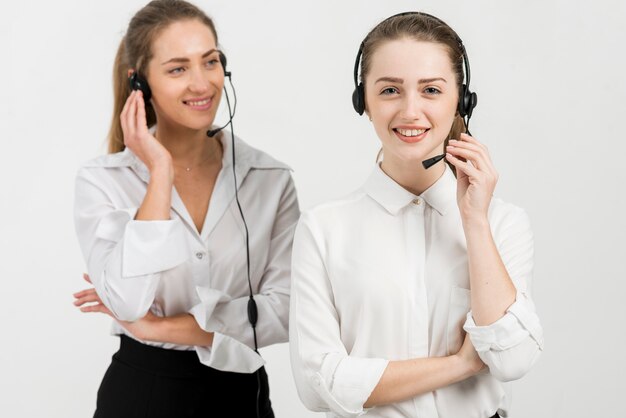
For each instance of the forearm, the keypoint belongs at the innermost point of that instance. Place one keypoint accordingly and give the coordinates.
(406, 379)
(158, 199)
(179, 329)
(492, 290)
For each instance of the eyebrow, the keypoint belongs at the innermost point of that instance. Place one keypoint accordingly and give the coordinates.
(400, 81)
(206, 54)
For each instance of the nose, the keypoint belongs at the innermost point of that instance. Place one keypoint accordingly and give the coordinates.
(412, 106)
(198, 82)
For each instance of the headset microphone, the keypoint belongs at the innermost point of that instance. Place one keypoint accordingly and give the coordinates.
(211, 133)
(432, 161)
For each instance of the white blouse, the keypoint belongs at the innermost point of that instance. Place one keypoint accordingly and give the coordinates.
(382, 275)
(170, 268)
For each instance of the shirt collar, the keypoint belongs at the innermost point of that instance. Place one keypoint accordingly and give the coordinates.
(393, 197)
(246, 158)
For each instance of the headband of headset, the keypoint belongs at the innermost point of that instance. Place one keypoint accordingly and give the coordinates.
(467, 99)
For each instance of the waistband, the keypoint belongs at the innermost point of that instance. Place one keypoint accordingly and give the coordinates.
(160, 361)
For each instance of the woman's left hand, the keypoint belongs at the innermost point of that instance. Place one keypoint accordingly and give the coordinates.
(89, 301)
(144, 329)
(476, 176)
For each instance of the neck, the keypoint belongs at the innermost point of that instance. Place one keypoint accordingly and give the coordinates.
(189, 147)
(411, 174)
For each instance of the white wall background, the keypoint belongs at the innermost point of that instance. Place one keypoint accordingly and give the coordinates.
(552, 100)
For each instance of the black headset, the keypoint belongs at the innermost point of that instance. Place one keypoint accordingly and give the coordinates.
(138, 82)
(467, 99)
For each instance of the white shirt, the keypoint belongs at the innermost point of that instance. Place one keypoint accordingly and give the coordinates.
(168, 267)
(382, 275)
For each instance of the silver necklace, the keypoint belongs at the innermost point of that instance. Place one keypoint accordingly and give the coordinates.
(188, 169)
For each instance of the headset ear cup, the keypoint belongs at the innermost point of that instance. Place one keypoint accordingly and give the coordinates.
(462, 102)
(473, 101)
(137, 82)
(358, 99)
(467, 102)
(224, 62)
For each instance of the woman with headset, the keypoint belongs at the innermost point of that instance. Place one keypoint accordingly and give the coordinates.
(161, 225)
(411, 296)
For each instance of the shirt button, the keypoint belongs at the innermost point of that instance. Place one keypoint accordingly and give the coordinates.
(199, 255)
(416, 201)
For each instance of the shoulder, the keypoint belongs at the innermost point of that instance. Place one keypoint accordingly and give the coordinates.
(337, 213)
(119, 159)
(507, 219)
(99, 166)
(254, 157)
(501, 211)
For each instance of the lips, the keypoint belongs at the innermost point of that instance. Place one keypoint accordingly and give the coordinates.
(411, 134)
(201, 103)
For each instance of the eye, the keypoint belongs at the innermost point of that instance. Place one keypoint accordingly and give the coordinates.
(389, 91)
(212, 62)
(177, 70)
(432, 91)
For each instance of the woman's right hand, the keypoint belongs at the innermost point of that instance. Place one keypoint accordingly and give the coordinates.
(469, 356)
(138, 138)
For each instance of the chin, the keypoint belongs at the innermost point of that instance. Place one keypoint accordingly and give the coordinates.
(197, 124)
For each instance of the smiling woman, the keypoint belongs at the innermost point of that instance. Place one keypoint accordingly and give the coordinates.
(410, 295)
(158, 223)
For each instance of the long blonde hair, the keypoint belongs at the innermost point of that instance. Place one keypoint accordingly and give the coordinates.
(135, 52)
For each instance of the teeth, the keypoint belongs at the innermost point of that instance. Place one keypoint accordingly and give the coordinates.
(199, 103)
(411, 132)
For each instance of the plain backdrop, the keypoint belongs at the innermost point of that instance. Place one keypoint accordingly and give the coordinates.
(552, 101)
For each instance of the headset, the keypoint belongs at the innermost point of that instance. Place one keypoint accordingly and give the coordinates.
(137, 82)
(467, 99)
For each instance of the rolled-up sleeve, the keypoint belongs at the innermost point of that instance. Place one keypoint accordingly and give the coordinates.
(326, 376)
(222, 315)
(511, 345)
(124, 256)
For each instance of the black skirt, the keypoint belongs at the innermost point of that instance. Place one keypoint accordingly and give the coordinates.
(150, 382)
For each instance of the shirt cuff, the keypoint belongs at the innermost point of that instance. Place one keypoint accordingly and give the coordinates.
(515, 326)
(350, 383)
(203, 311)
(111, 227)
(226, 353)
(153, 246)
(229, 355)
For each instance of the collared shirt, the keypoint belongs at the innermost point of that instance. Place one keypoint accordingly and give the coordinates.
(382, 275)
(169, 267)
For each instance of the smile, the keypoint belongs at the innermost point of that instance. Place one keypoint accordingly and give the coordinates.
(411, 135)
(197, 103)
(411, 132)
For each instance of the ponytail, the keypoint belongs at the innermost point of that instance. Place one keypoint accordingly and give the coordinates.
(458, 127)
(121, 91)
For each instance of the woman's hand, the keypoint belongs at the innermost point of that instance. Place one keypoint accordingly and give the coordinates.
(476, 177)
(468, 355)
(146, 328)
(137, 137)
(89, 301)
